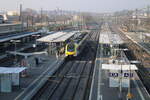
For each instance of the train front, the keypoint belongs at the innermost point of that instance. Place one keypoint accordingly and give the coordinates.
(71, 49)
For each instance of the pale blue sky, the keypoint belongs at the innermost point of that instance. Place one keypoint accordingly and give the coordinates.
(78, 5)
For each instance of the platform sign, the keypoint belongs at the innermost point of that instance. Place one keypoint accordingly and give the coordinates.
(115, 77)
(119, 73)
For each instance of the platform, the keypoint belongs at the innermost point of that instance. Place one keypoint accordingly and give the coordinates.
(36, 75)
(100, 89)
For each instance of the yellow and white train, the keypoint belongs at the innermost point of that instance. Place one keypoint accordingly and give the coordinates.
(74, 48)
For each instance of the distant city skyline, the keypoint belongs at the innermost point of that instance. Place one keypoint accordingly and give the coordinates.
(75, 5)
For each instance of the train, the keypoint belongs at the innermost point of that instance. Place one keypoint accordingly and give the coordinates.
(75, 47)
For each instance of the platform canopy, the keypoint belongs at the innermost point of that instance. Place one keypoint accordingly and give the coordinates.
(26, 54)
(57, 37)
(10, 37)
(119, 67)
(10, 70)
(109, 38)
(6, 25)
(115, 39)
(104, 38)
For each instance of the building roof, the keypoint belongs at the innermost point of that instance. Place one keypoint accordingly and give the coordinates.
(8, 70)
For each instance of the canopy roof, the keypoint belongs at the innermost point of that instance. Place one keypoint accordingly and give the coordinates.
(109, 38)
(3, 39)
(8, 70)
(57, 37)
(115, 39)
(26, 54)
(119, 67)
(104, 38)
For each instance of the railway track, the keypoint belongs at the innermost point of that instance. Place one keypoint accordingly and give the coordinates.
(143, 73)
(73, 79)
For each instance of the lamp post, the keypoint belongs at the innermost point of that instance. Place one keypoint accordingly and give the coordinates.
(111, 46)
(35, 44)
(120, 79)
(129, 95)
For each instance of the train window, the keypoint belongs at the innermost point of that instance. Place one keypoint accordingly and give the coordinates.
(71, 47)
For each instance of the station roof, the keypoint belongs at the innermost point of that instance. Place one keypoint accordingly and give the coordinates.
(16, 36)
(8, 70)
(57, 37)
(119, 67)
(104, 38)
(26, 54)
(109, 38)
(115, 39)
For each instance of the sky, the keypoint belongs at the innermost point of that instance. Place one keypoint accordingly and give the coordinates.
(77, 5)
